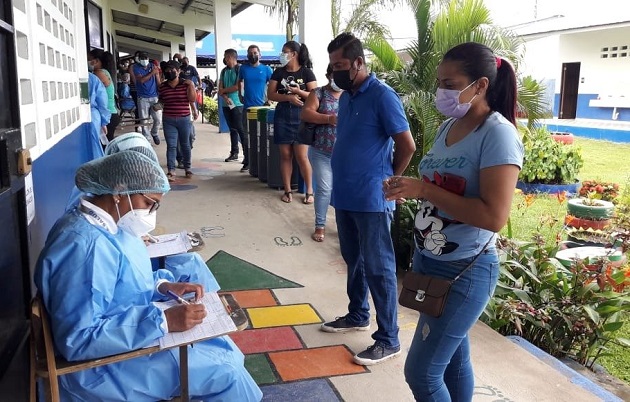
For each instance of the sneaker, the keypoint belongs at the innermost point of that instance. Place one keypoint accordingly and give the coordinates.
(156, 139)
(245, 168)
(376, 354)
(232, 157)
(341, 325)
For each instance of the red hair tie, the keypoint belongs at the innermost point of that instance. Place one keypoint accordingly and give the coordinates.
(498, 62)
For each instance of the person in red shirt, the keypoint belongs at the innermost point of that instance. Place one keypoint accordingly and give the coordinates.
(178, 97)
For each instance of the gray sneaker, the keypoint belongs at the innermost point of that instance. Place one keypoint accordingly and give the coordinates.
(341, 325)
(376, 354)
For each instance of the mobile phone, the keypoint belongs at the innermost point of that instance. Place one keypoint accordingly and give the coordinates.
(453, 183)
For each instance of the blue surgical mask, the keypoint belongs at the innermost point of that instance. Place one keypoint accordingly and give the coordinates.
(447, 102)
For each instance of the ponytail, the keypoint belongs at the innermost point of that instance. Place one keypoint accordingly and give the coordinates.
(304, 58)
(502, 92)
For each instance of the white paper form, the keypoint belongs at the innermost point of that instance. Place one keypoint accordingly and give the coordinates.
(169, 244)
(216, 323)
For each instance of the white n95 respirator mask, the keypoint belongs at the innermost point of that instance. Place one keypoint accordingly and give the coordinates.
(138, 222)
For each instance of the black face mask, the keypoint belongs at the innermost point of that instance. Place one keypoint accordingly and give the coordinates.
(253, 59)
(343, 80)
(184, 65)
(170, 75)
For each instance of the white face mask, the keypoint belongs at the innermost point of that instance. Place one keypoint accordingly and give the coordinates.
(284, 59)
(138, 222)
(334, 86)
(144, 62)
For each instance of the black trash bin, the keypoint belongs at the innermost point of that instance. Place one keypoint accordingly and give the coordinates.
(252, 130)
(262, 143)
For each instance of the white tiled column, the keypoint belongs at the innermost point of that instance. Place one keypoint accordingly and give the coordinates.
(191, 44)
(316, 32)
(222, 29)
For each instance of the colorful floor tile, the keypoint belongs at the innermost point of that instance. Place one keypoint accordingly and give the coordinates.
(255, 298)
(276, 316)
(326, 361)
(267, 340)
(232, 273)
(275, 355)
(306, 391)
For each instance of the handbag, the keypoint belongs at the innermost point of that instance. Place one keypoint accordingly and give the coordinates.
(428, 294)
(306, 131)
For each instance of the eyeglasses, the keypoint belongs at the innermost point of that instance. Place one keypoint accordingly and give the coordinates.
(155, 206)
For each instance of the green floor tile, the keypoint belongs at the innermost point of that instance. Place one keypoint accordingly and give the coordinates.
(232, 273)
(260, 369)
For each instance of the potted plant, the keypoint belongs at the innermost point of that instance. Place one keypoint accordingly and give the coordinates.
(579, 237)
(548, 166)
(562, 137)
(589, 213)
(600, 190)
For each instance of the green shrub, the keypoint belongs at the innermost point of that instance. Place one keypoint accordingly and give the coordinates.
(210, 110)
(547, 161)
(571, 311)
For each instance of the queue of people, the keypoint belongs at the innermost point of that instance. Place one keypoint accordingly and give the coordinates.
(357, 160)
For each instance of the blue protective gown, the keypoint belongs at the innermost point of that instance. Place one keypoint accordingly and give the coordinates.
(187, 267)
(98, 288)
(100, 115)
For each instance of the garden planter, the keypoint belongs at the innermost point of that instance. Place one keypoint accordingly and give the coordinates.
(579, 207)
(591, 254)
(562, 137)
(534, 188)
(584, 223)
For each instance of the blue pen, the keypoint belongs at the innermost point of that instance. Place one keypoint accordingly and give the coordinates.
(176, 297)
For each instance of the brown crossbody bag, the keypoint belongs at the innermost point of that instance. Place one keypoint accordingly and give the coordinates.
(428, 294)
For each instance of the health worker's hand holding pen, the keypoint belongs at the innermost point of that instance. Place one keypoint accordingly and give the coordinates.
(184, 315)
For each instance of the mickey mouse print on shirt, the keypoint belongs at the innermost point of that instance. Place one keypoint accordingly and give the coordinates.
(429, 224)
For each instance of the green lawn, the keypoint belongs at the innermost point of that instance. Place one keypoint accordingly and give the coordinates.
(603, 160)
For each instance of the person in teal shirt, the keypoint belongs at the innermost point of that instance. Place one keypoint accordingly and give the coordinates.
(229, 91)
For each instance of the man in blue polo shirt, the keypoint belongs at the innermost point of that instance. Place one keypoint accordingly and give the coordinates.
(146, 76)
(370, 121)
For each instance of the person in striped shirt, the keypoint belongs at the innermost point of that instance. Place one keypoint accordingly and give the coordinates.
(178, 97)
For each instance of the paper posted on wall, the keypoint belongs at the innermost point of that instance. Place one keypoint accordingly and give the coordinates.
(169, 244)
(216, 323)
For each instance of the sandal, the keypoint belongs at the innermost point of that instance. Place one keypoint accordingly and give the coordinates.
(287, 197)
(318, 235)
(170, 176)
(189, 174)
(308, 198)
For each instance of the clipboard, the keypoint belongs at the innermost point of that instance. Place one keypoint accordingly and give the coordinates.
(224, 317)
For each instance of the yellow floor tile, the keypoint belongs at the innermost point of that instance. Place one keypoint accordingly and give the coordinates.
(277, 316)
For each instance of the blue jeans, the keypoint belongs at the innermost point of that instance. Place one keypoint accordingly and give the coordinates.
(177, 132)
(144, 110)
(234, 119)
(366, 247)
(438, 367)
(322, 178)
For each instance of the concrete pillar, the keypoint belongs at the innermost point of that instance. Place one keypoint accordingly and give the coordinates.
(166, 55)
(222, 29)
(191, 44)
(316, 32)
(222, 41)
(174, 49)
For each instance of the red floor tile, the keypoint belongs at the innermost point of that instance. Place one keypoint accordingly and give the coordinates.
(266, 340)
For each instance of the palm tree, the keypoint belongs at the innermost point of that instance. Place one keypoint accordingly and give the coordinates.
(286, 9)
(363, 20)
(440, 26)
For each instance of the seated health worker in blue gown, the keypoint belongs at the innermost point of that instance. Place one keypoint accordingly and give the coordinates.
(97, 284)
(186, 267)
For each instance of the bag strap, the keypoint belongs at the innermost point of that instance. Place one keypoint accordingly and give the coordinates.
(474, 260)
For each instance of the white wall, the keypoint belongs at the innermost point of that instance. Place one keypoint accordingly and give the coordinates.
(607, 76)
(51, 62)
